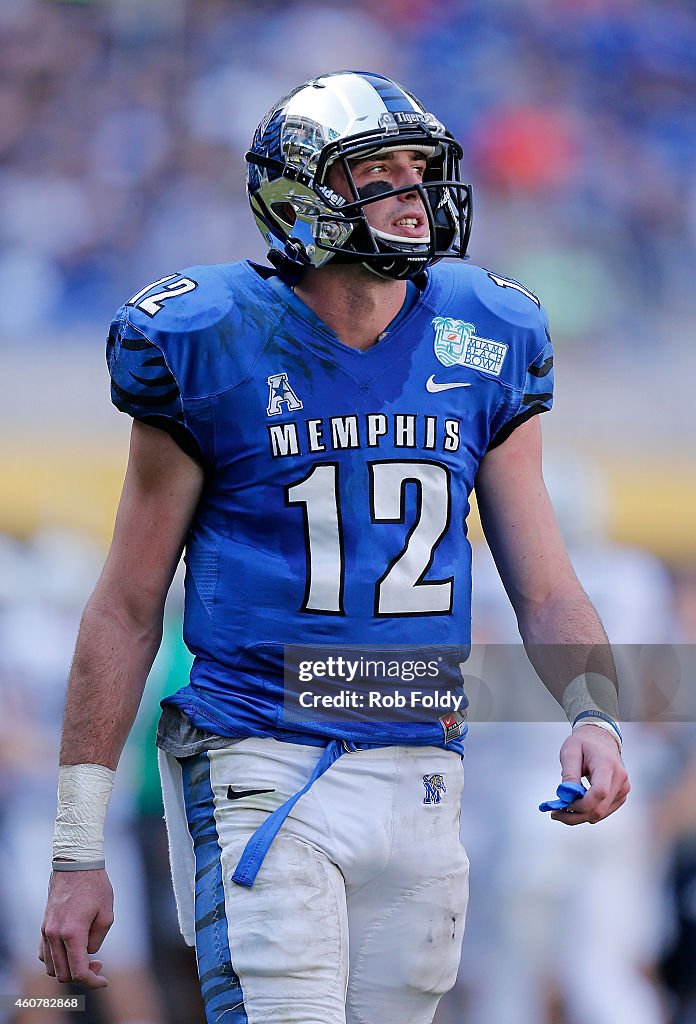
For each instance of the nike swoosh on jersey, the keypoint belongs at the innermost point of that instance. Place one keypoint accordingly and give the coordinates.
(433, 387)
(237, 794)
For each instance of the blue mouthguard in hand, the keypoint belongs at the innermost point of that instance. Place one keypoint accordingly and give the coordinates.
(567, 793)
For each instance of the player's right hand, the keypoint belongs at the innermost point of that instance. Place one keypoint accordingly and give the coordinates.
(79, 913)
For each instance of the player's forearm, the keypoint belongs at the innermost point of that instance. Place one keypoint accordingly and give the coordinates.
(113, 656)
(564, 638)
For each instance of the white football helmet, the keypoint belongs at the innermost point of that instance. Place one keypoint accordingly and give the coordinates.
(345, 116)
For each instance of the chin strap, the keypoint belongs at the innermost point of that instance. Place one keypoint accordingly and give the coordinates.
(288, 268)
(291, 262)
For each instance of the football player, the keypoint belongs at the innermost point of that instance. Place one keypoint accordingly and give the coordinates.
(310, 431)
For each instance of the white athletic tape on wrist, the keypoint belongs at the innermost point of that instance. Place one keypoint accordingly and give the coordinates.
(84, 791)
(611, 727)
(591, 699)
(590, 692)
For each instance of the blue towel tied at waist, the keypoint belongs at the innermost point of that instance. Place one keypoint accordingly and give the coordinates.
(256, 849)
(259, 844)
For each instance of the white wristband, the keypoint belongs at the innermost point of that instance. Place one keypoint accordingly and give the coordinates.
(611, 727)
(79, 865)
(84, 791)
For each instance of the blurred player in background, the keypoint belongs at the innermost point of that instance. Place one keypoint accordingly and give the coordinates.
(311, 432)
(45, 584)
(569, 907)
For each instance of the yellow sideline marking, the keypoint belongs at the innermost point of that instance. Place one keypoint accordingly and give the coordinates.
(652, 503)
(72, 485)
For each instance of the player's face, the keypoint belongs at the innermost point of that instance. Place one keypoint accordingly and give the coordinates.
(399, 215)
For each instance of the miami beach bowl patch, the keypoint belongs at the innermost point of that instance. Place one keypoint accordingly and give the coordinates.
(457, 344)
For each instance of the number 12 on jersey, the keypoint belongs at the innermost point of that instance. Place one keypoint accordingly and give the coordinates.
(401, 589)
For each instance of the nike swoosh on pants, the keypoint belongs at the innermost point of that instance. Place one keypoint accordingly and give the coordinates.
(237, 794)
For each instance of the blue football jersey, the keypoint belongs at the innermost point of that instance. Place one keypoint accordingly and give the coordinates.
(337, 481)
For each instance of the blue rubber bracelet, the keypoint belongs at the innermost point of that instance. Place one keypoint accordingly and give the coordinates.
(594, 715)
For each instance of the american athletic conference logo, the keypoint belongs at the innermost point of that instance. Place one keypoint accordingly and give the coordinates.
(434, 788)
(280, 393)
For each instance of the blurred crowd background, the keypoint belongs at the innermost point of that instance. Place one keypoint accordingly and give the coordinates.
(123, 125)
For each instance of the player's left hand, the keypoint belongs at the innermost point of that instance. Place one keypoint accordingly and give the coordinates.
(592, 753)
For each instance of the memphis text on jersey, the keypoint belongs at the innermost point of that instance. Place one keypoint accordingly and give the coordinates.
(400, 430)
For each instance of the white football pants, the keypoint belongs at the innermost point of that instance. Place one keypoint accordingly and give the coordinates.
(357, 914)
